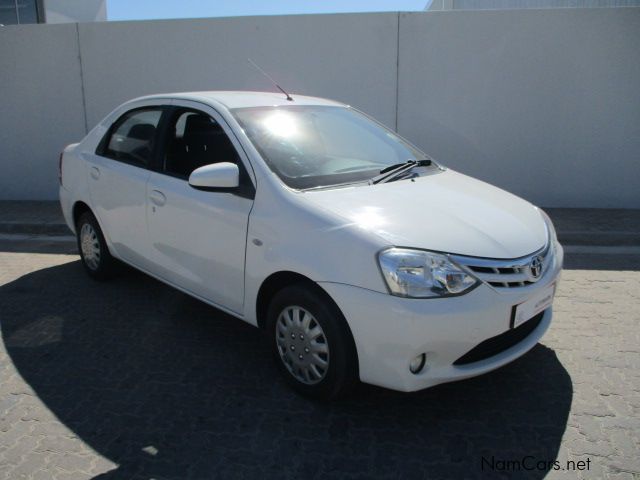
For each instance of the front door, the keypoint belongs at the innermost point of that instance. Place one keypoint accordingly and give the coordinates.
(198, 238)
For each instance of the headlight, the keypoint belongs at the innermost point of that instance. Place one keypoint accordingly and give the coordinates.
(420, 274)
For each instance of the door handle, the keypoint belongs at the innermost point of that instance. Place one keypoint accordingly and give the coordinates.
(158, 198)
(95, 173)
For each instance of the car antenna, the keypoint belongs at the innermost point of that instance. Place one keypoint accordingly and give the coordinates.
(289, 97)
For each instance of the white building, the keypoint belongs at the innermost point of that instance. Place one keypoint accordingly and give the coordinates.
(14, 12)
(511, 4)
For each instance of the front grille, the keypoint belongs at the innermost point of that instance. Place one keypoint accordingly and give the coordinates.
(506, 274)
(500, 343)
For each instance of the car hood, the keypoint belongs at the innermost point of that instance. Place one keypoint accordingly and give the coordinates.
(445, 211)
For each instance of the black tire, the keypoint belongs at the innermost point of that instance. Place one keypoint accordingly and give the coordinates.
(106, 265)
(341, 375)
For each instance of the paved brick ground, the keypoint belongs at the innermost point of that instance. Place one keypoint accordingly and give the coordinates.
(131, 379)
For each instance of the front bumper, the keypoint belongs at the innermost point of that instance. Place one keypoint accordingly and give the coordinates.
(389, 331)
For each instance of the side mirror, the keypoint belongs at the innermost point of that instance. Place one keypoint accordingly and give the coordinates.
(223, 176)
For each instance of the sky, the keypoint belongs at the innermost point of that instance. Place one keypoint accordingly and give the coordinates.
(155, 9)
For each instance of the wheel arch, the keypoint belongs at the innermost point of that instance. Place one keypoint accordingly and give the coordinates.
(271, 285)
(279, 280)
(78, 209)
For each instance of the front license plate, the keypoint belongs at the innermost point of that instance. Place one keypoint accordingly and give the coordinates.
(536, 304)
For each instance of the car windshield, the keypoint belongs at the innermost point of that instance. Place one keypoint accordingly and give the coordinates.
(316, 146)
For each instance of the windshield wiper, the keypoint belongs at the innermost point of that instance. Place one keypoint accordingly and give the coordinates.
(392, 171)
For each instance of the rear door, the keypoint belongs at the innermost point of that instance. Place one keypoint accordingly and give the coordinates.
(197, 237)
(118, 175)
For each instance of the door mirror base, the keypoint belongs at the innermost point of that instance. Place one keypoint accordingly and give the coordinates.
(243, 190)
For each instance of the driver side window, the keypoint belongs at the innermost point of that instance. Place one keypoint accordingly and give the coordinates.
(194, 139)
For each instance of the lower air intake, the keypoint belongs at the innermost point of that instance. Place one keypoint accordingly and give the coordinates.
(500, 343)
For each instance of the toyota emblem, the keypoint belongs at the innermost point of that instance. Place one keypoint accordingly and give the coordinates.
(535, 267)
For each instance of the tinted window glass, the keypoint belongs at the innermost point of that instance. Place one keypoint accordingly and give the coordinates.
(194, 140)
(8, 14)
(22, 11)
(311, 146)
(27, 11)
(132, 139)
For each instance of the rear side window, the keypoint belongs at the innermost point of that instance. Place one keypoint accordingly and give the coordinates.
(132, 138)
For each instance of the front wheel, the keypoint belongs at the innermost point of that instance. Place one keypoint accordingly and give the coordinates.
(312, 343)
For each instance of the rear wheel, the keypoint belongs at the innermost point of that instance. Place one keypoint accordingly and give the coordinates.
(94, 254)
(312, 343)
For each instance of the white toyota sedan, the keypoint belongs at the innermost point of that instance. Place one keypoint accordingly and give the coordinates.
(359, 256)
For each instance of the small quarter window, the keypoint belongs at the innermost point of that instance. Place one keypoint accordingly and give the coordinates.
(132, 138)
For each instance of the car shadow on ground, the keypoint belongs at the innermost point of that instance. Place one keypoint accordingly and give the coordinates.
(170, 388)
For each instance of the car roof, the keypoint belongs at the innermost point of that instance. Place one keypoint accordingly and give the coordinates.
(242, 99)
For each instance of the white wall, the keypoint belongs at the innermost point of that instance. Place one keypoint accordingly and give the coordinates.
(40, 106)
(542, 103)
(351, 58)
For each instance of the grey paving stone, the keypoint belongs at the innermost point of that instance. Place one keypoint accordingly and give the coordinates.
(131, 379)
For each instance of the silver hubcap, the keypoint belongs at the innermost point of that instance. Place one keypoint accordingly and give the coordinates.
(302, 344)
(90, 246)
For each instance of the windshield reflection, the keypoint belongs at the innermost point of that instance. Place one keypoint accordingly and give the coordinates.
(311, 146)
